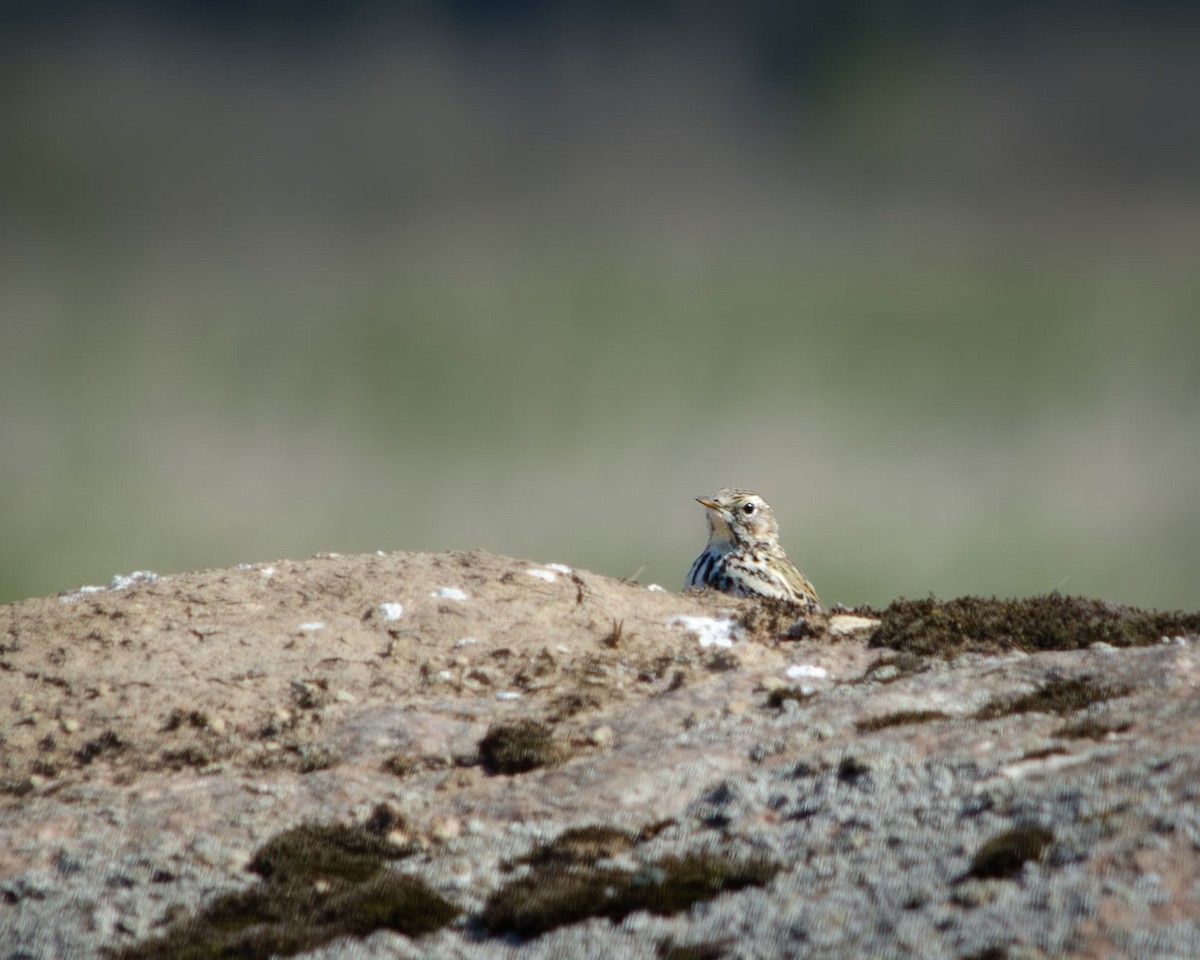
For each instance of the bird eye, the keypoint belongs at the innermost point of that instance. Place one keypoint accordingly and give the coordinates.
(748, 509)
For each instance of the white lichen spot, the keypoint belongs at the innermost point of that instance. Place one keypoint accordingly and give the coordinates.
(79, 594)
(543, 574)
(508, 695)
(449, 593)
(391, 611)
(311, 627)
(119, 582)
(465, 642)
(138, 576)
(267, 572)
(655, 588)
(710, 631)
(444, 675)
(559, 568)
(798, 670)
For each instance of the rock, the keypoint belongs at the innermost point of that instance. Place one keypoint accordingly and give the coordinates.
(682, 798)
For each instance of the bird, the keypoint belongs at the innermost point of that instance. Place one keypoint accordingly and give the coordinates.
(743, 555)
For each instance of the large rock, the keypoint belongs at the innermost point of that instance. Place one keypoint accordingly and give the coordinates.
(586, 767)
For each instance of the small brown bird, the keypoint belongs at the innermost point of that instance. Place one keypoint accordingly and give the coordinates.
(743, 555)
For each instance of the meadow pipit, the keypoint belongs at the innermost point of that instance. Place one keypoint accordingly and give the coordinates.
(743, 555)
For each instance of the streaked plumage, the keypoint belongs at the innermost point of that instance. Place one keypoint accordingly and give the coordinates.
(743, 555)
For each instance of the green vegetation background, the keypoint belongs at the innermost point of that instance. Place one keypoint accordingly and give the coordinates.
(441, 284)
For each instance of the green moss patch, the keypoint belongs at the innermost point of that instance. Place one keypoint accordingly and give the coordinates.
(583, 845)
(898, 719)
(106, 745)
(852, 769)
(298, 756)
(988, 953)
(191, 755)
(1090, 728)
(1056, 696)
(700, 950)
(555, 895)
(315, 851)
(1043, 753)
(320, 882)
(892, 667)
(196, 719)
(520, 746)
(770, 617)
(1003, 856)
(947, 628)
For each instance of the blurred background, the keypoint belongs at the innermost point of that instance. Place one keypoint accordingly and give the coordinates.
(281, 278)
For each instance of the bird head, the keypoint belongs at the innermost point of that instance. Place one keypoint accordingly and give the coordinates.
(740, 515)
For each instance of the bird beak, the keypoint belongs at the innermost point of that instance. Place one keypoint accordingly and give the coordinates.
(708, 502)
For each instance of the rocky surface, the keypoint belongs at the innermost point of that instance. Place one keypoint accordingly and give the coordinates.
(575, 766)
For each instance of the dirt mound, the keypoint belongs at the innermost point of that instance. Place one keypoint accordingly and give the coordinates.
(251, 668)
